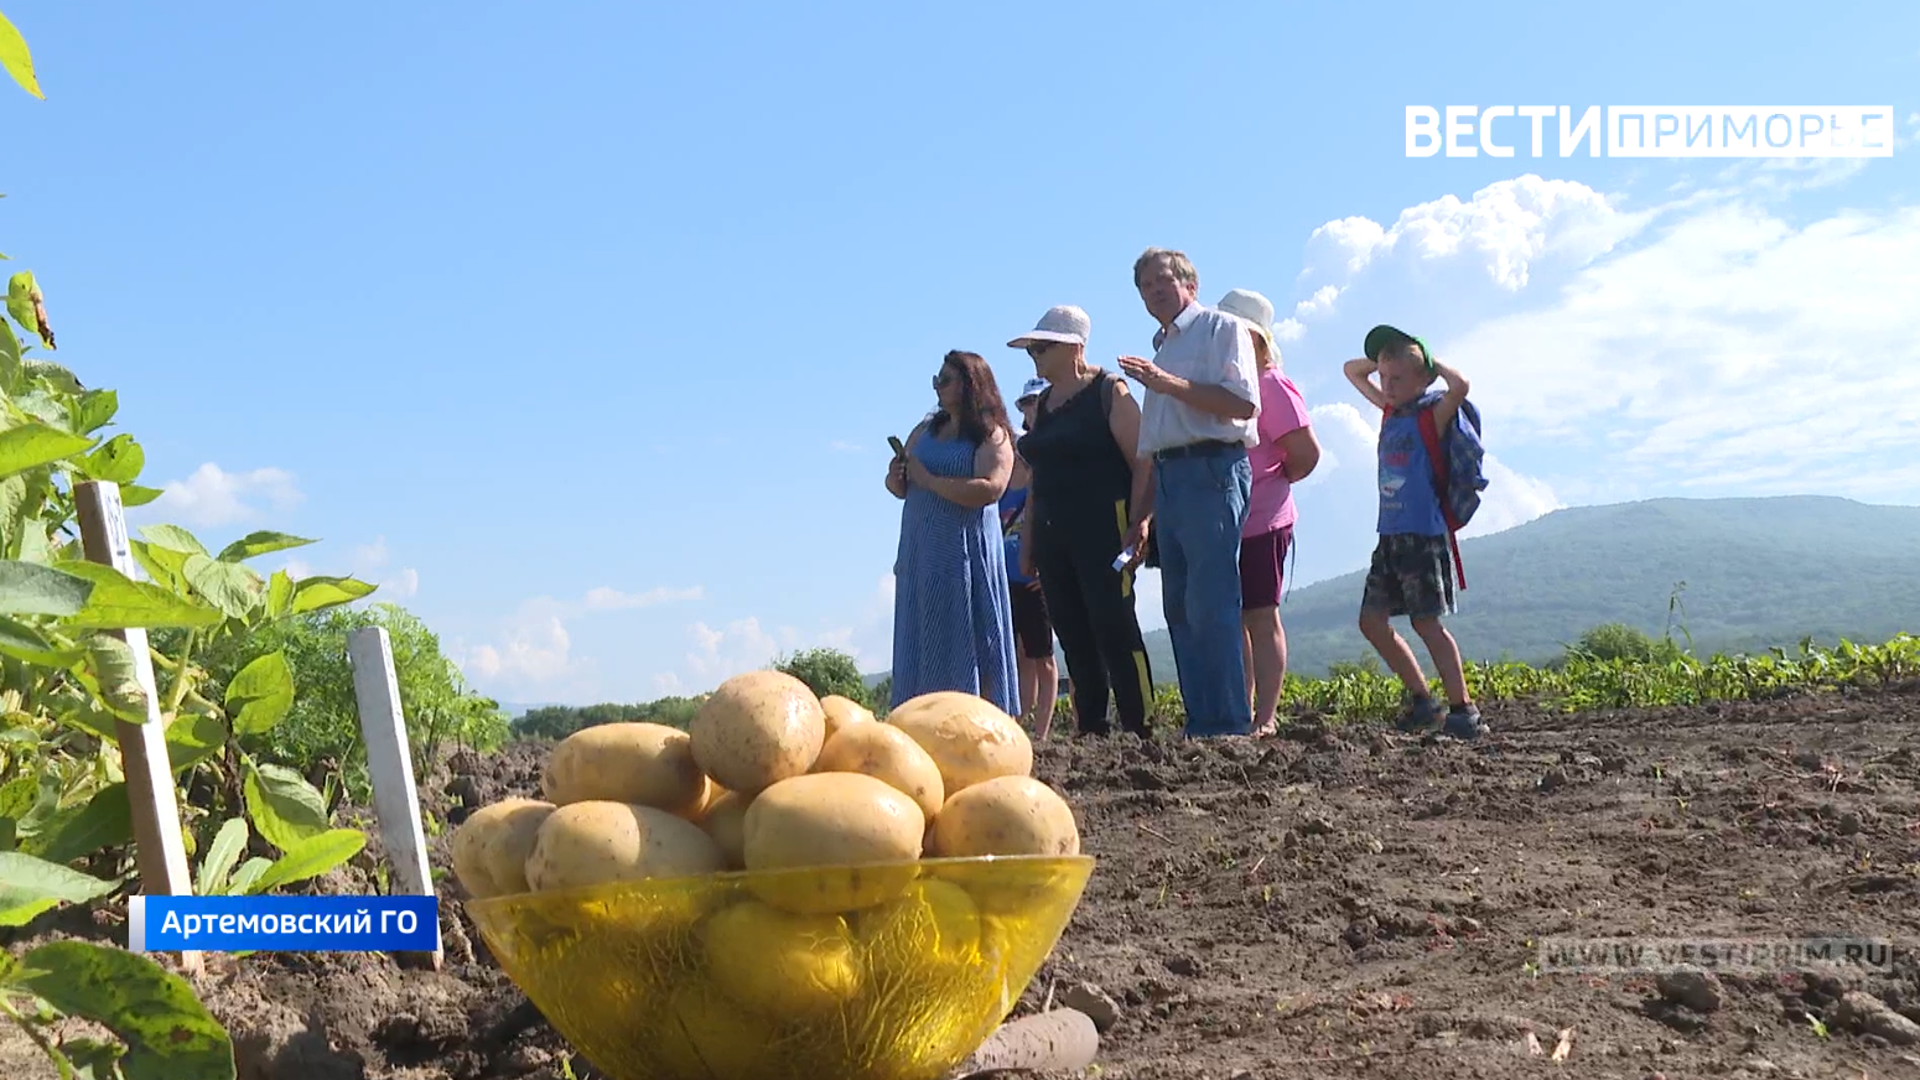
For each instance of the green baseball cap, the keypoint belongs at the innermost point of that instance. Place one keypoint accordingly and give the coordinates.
(1380, 337)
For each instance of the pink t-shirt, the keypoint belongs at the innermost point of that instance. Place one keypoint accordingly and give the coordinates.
(1282, 410)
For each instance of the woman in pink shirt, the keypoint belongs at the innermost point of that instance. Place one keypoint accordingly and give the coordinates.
(1286, 453)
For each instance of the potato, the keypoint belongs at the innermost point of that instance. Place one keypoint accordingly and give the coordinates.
(726, 822)
(934, 921)
(781, 964)
(843, 712)
(638, 763)
(886, 753)
(968, 737)
(1008, 815)
(756, 729)
(701, 1033)
(838, 821)
(588, 843)
(491, 846)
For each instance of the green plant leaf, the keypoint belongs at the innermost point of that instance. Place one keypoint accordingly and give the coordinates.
(235, 589)
(228, 845)
(23, 301)
(120, 461)
(310, 858)
(11, 366)
(93, 1059)
(104, 821)
(37, 443)
(29, 646)
(118, 602)
(135, 495)
(260, 694)
(31, 589)
(17, 58)
(284, 807)
(163, 564)
(92, 410)
(30, 886)
(111, 662)
(260, 543)
(316, 593)
(279, 595)
(55, 375)
(174, 538)
(193, 738)
(169, 1034)
(81, 714)
(249, 872)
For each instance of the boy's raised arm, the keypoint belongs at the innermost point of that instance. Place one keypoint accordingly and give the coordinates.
(1448, 406)
(1360, 374)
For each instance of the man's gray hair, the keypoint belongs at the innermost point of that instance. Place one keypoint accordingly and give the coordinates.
(1176, 261)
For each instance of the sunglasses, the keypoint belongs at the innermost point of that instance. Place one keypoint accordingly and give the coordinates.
(942, 379)
(1035, 349)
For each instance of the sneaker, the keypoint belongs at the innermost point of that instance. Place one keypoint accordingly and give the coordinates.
(1420, 716)
(1465, 723)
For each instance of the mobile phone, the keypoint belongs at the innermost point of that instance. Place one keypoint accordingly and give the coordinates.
(899, 448)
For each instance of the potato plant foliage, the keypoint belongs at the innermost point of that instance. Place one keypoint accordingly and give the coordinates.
(66, 681)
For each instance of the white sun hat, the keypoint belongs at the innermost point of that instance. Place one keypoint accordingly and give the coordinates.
(1253, 308)
(1064, 323)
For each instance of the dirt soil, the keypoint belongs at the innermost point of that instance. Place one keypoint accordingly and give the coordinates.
(1344, 901)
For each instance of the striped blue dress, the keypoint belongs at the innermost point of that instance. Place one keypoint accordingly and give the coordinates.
(952, 616)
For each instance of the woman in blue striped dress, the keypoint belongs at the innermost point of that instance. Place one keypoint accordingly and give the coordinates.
(952, 615)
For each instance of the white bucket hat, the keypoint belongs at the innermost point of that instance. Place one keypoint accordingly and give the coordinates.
(1033, 389)
(1064, 323)
(1252, 307)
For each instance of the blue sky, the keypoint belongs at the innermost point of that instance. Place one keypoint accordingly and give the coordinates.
(581, 327)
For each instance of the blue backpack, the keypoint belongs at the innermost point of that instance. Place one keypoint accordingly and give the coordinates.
(1458, 461)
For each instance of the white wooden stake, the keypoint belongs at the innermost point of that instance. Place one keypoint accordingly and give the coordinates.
(396, 802)
(160, 853)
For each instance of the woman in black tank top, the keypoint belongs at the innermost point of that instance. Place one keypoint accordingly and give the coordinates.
(1084, 465)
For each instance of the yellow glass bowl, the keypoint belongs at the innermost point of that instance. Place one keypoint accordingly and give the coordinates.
(745, 976)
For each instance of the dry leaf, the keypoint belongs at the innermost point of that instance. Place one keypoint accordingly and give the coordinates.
(1533, 1045)
(1561, 1051)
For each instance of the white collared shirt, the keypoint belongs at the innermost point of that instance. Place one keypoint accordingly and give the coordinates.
(1206, 347)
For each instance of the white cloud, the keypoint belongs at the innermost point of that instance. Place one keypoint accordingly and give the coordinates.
(1706, 345)
(213, 497)
(1732, 342)
(531, 652)
(370, 564)
(843, 446)
(536, 650)
(603, 598)
(717, 653)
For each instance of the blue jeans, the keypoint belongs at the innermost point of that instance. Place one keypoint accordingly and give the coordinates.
(1200, 506)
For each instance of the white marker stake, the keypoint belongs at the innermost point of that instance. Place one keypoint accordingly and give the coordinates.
(160, 854)
(396, 802)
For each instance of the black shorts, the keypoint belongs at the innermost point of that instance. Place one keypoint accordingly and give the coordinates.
(1411, 575)
(1030, 622)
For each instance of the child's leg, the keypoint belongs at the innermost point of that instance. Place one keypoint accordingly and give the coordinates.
(1446, 658)
(1428, 582)
(1384, 597)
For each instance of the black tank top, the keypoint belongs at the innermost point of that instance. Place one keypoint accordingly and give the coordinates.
(1077, 467)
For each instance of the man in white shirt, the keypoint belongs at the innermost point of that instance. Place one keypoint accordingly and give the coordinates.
(1196, 421)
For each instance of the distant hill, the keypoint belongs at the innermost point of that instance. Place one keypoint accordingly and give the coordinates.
(1758, 572)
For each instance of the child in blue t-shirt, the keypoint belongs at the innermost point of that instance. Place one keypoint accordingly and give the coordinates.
(1409, 575)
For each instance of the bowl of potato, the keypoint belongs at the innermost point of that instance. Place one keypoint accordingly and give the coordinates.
(788, 888)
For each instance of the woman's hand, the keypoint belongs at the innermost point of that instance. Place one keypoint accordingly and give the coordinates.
(917, 474)
(897, 477)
